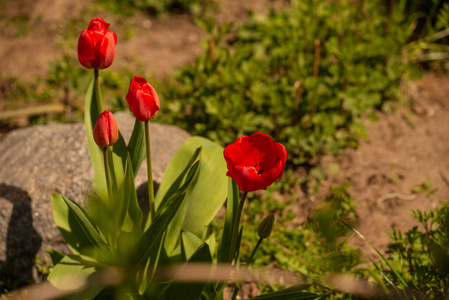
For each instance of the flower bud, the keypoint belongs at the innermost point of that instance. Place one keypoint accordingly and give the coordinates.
(96, 45)
(265, 227)
(106, 129)
(142, 99)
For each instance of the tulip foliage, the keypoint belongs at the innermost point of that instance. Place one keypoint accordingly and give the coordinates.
(119, 251)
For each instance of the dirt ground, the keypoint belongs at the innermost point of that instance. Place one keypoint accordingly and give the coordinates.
(404, 149)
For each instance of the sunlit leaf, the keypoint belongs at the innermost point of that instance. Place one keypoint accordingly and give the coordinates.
(224, 248)
(190, 243)
(136, 145)
(204, 199)
(69, 227)
(92, 234)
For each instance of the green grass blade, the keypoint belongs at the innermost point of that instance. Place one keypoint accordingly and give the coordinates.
(387, 262)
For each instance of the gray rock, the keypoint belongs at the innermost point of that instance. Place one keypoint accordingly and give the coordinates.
(38, 161)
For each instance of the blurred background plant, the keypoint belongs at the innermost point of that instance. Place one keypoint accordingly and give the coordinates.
(306, 74)
(421, 253)
(159, 7)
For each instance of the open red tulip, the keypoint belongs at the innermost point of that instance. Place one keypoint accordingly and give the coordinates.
(142, 99)
(255, 161)
(106, 129)
(96, 45)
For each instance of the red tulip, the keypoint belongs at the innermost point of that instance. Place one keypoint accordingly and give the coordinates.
(142, 99)
(106, 129)
(255, 161)
(96, 45)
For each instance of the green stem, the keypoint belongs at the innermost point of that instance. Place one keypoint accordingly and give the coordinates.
(97, 91)
(111, 235)
(106, 171)
(235, 229)
(236, 291)
(150, 171)
(250, 259)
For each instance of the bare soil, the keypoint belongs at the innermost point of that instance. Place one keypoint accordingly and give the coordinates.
(403, 151)
(404, 148)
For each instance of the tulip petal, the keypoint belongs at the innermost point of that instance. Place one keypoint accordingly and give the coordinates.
(240, 139)
(107, 50)
(142, 99)
(86, 53)
(247, 179)
(150, 105)
(113, 129)
(96, 45)
(105, 131)
(255, 161)
(101, 131)
(233, 155)
(252, 155)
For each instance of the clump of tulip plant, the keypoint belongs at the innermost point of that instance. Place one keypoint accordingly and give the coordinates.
(118, 255)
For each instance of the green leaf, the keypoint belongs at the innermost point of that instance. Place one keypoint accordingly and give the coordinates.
(72, 273)
(69, 227)
(119, 150)
(149, 242)
(190, 291)
(55, 256)
(212, 242)
(204, 199)
(133, 218)
(224, 248)
(124, 214)
(189, 244)
(225, 253)
(126, 206)
(95, 238)
(136, 145)
(91, 114)
(162, 196)
(160, 255)
(174, 228)
(118, 164)
(130, 215)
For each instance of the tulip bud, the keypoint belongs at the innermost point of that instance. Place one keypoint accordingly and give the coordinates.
(142, 99)
(106, 130)
(265, 227)
(96, 45)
